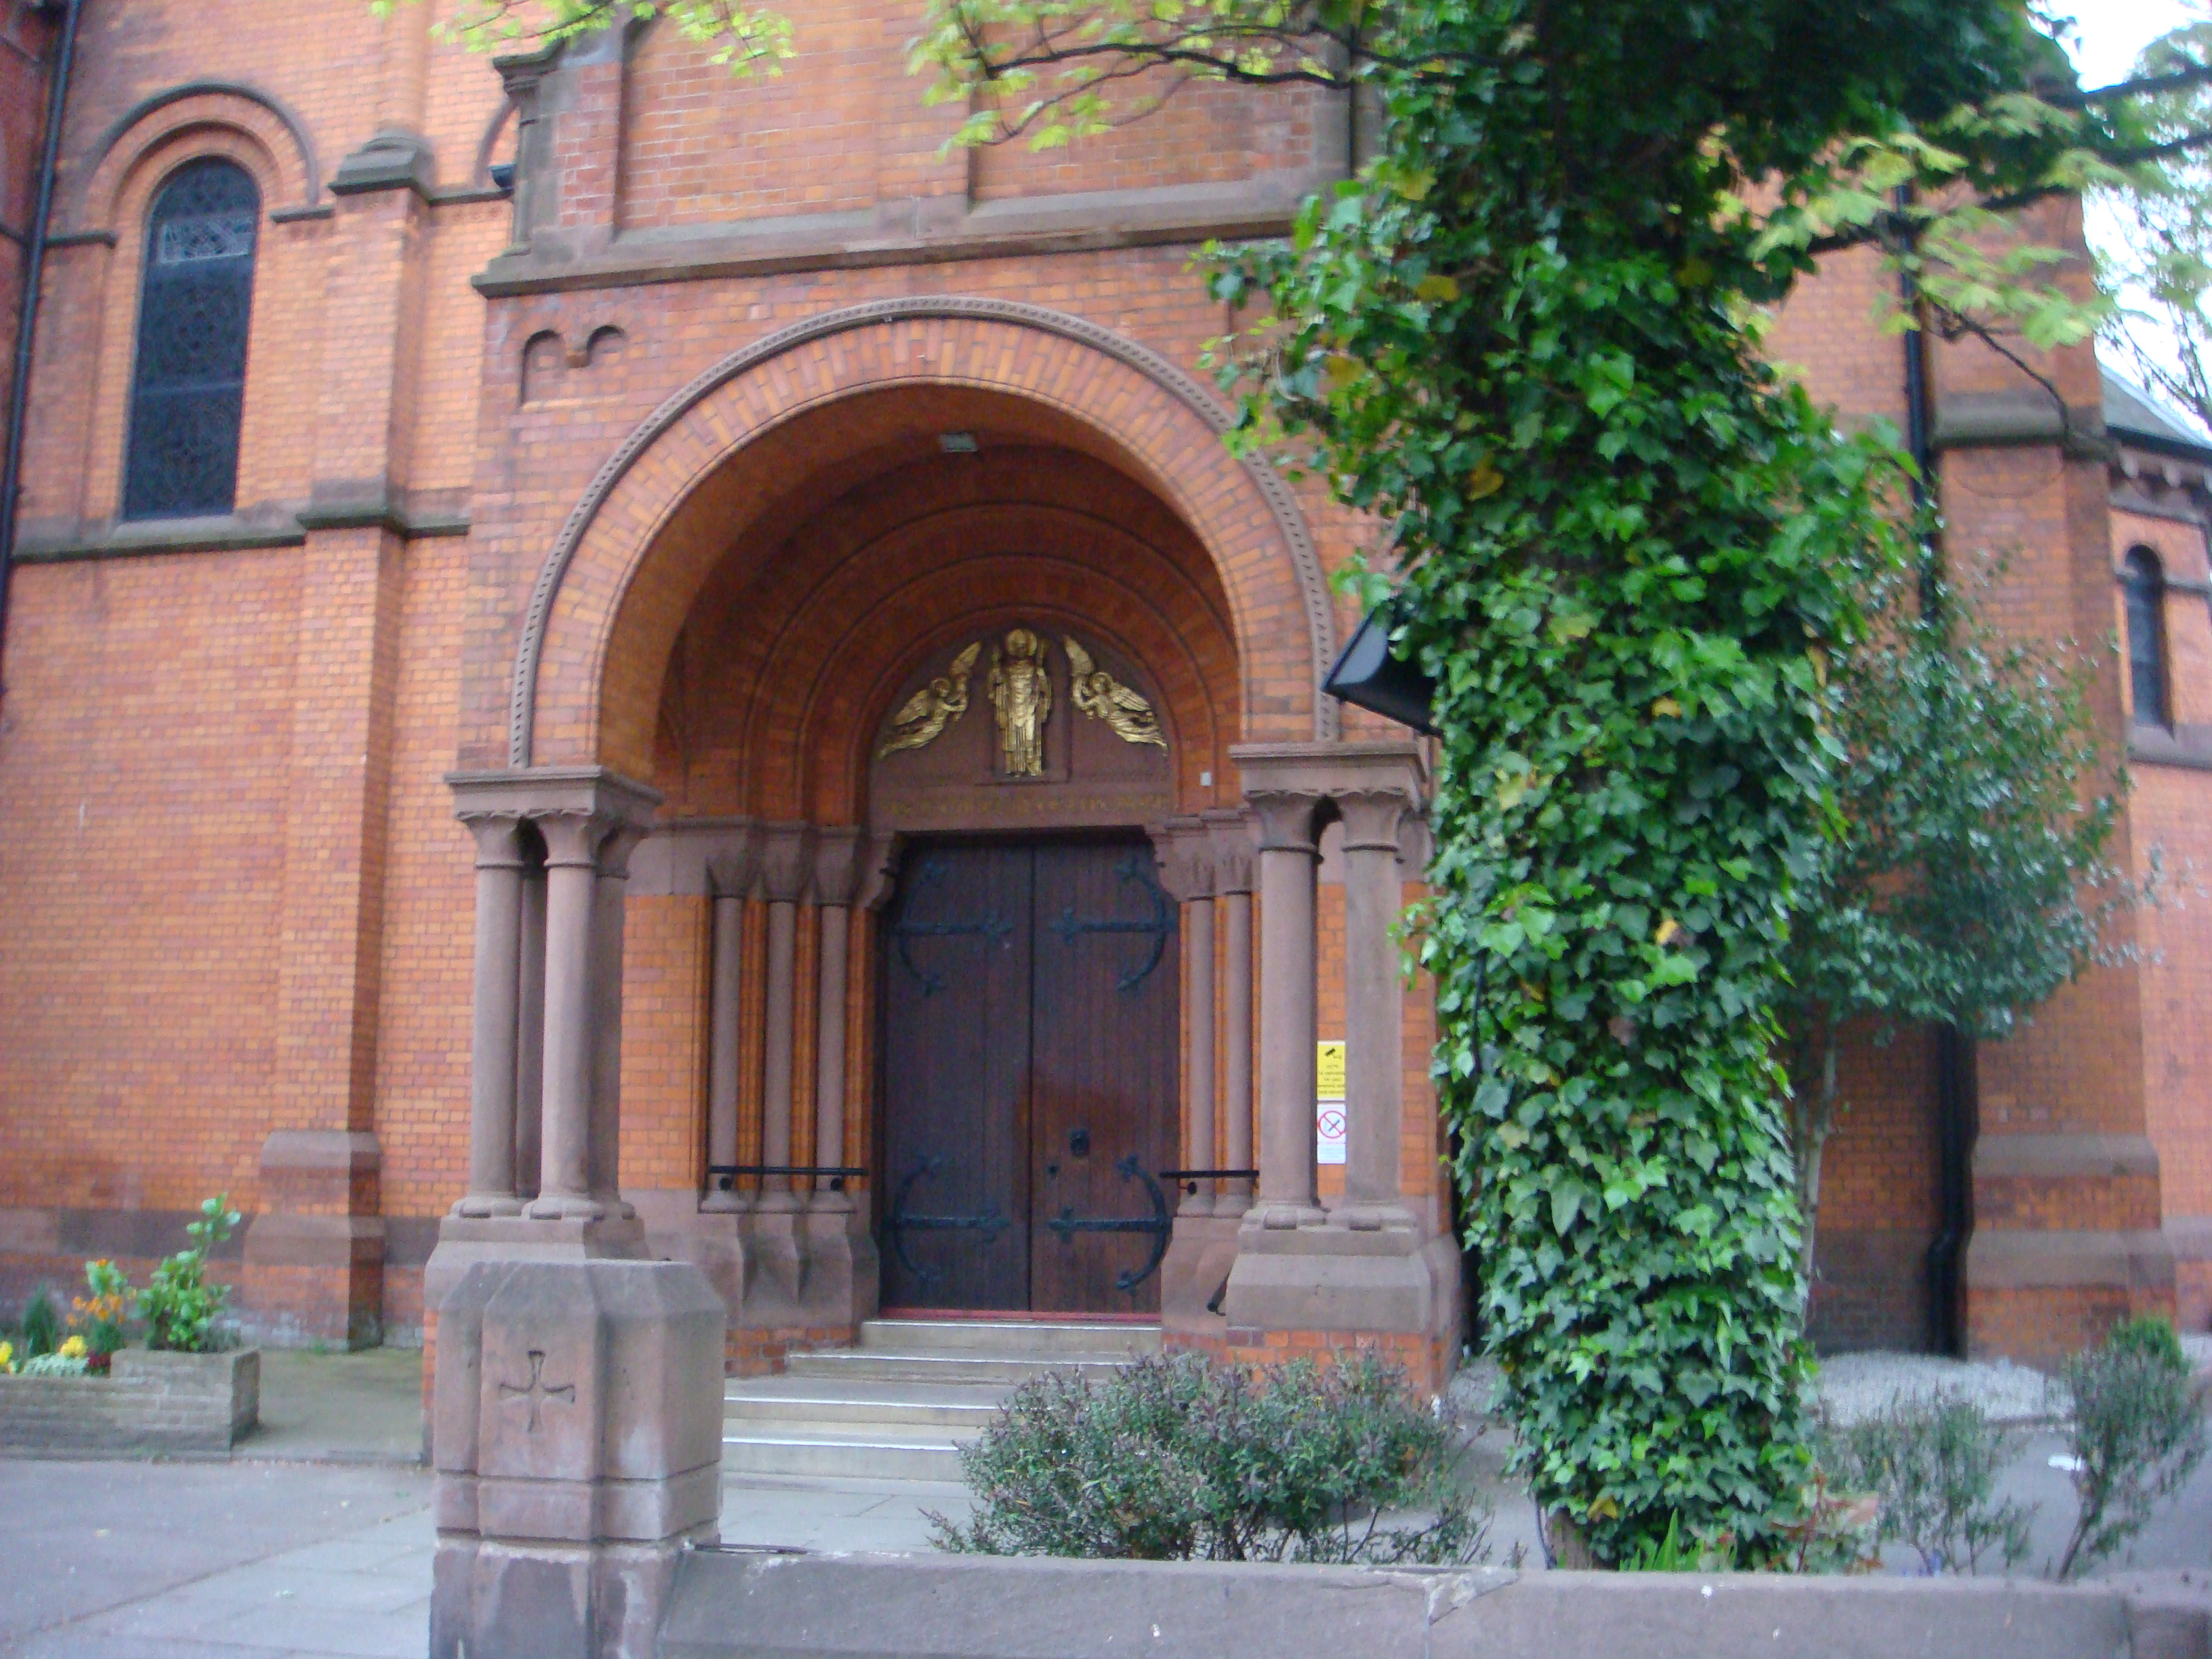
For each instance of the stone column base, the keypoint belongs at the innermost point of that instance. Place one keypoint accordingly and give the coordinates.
(1326, 1290)
(811, 1276)
(464, 1241)
(577, 1438)
(1194, 1276)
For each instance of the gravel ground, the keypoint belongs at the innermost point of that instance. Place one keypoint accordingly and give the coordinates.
(1854, 1386)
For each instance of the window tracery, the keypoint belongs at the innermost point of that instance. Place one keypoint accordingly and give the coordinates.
(188, 383)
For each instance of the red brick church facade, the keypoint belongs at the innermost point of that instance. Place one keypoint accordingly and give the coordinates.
(465, 805)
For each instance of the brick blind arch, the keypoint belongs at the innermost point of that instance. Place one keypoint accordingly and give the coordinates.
(188, 373)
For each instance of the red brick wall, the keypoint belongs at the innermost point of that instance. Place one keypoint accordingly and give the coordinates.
(176, 740)
(143, 755)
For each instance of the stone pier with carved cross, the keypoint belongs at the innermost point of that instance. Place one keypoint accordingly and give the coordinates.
(577, 1433)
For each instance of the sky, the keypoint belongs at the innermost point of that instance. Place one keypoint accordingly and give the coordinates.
(2110, 33)
(2113, 30)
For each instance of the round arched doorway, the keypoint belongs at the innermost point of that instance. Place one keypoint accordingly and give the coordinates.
(922, 735)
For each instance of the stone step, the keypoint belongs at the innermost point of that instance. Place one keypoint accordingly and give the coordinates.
(852, 1454)
(764, 1401)
(840, 1366)
(1018, 1339)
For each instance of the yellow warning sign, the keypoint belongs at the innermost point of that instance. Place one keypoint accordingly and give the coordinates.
(1328, 1071)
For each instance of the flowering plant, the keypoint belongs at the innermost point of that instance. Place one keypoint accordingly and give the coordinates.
(100, 1315)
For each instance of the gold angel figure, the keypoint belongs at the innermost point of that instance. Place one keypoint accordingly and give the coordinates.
(1103, 697)
(936, 706)
(1021, 693)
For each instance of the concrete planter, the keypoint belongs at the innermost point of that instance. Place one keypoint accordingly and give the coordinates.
(151, 1405)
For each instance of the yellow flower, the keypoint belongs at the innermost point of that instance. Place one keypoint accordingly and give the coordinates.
(7, 1359)
(73, 1348)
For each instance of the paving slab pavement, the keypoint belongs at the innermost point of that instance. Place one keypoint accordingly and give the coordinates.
(207, 1558)
(363, 1407)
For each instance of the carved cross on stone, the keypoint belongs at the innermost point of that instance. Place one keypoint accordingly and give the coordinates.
(537, 1391)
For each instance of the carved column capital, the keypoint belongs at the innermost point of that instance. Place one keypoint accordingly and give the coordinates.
(622, 840)
(786, 861)
(1230, 831)
(498, 839)
(730, 870)
(1185, 850)
(1373, 819)
(572, 838)
(1288, 819)
(839, 864)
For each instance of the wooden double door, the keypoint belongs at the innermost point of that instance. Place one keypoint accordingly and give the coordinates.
(1029, 1076)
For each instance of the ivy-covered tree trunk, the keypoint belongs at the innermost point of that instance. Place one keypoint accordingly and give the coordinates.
(1813, 1101)
(1623, 632)
(1623, 549)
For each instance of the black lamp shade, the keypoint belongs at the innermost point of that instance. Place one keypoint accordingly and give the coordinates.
(1368, 677)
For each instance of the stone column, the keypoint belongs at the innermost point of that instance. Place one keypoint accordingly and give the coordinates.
(1374, 1003)
(572, 881)
(572, 810)
(530, 1036)
(836, 875)
(606, 1023)
(730, 876)
(1289, 831)
(1187, 872)
(1232, 878)
(1372, 1270)
(787, 866)
(493, 1029)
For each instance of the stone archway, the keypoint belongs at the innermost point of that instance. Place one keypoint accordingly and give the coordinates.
(618, 582)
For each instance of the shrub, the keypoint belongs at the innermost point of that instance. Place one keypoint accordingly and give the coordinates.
(2137, 1434)
(42, 1325)
(178, 1305)
(2152, 1337)
(1933, 1461)
(1180, 1459)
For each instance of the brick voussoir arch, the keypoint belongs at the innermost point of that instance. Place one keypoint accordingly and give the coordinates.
(1241, 510)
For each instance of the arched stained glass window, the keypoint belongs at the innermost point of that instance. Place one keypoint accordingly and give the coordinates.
(189, 383)
(2144, 585)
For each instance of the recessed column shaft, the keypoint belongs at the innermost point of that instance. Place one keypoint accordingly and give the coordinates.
(493, 1034)
(1374, 998)
(785, 873)
(724, 1008)
(572, 880)
(1287, 857)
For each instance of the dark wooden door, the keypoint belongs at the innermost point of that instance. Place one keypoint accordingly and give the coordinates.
(1029, 1077)
(1102, 1089)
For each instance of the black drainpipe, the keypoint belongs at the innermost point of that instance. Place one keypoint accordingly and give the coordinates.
(1955, 1077)
(27, 321)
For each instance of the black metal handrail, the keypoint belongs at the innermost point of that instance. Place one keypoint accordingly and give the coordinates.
(837, 1174)
(1190, 1178)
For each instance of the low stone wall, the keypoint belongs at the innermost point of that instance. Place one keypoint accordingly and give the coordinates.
(153, 1404)
(802, 1607)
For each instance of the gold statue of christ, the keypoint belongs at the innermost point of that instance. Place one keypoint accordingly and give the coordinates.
(1021, 696)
